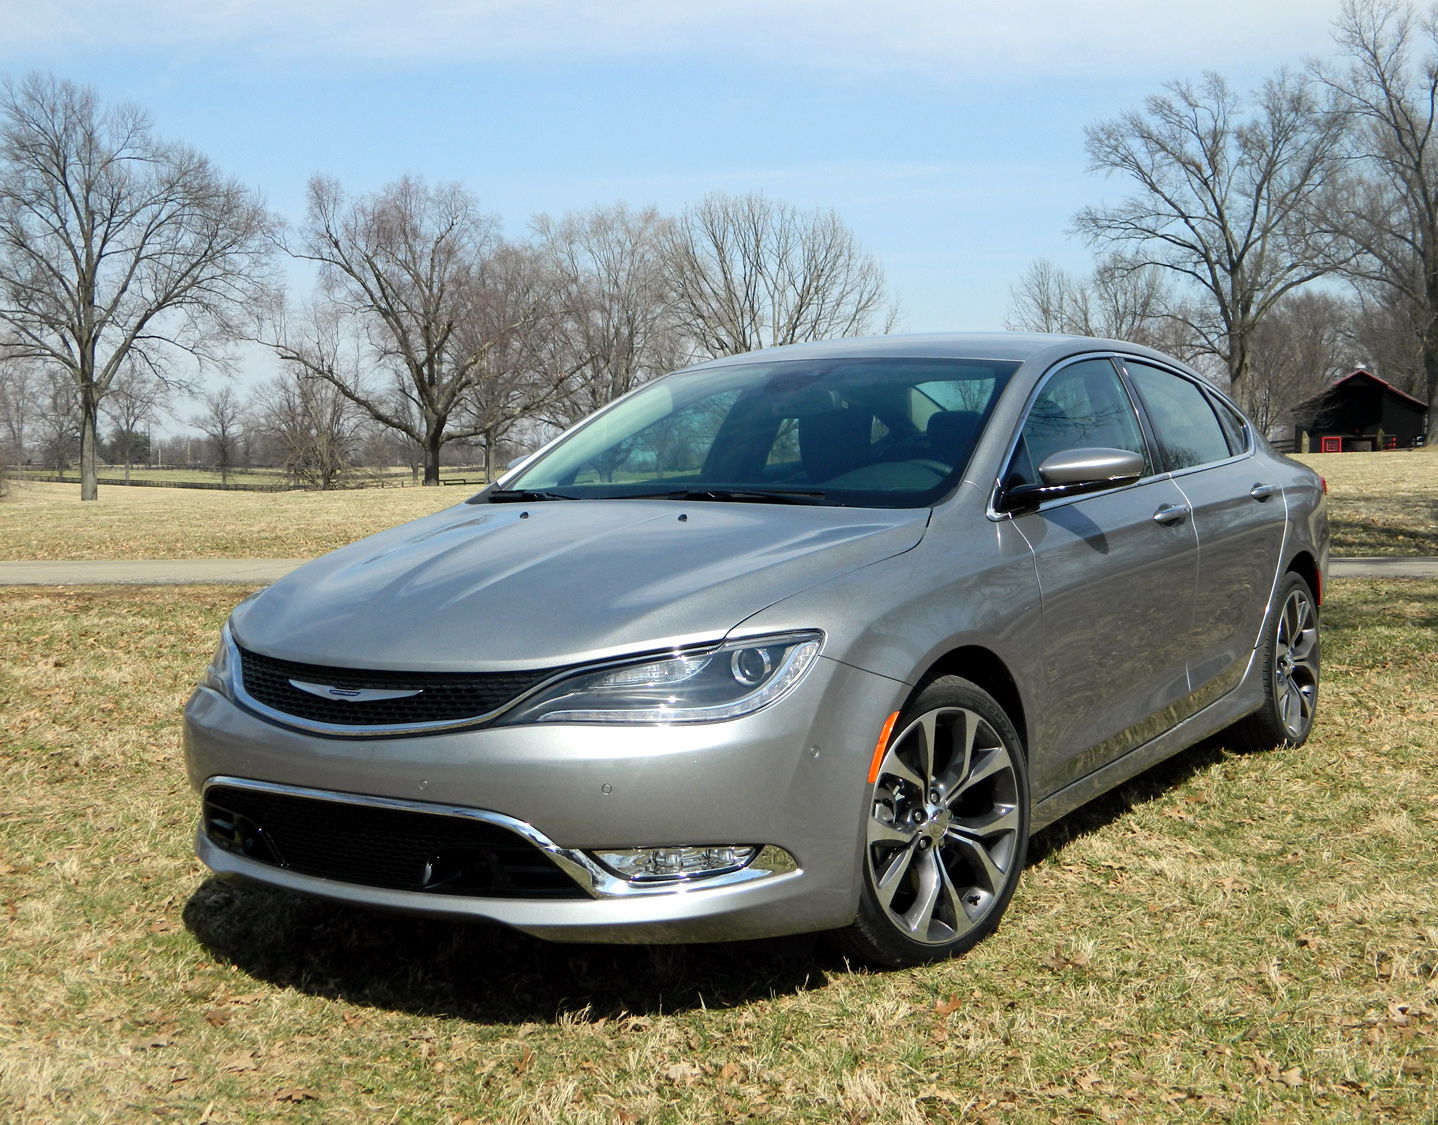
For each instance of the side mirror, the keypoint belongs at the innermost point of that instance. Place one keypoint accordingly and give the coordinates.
(1073, 472)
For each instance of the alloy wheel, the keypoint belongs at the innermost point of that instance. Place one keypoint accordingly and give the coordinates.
(945, 828)
(1296, 663)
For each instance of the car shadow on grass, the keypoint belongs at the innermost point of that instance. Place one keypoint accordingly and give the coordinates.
(483, 973)
(1108, 808)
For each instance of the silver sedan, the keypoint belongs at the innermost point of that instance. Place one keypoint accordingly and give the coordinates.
(807, 639)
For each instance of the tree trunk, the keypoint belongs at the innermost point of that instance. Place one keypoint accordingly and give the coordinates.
(89, 478)
(1430, 355)
(1430, 377)
(433, 443)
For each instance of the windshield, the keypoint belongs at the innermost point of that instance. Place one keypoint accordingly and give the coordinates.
(868, 432)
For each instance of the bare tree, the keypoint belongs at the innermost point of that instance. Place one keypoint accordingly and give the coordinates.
(20, 382)
(116, 248)
(134, 398)
(1117, 301)
(527, 324)
(1388, 210)
(224, 421)
(617, 328)
(1223, 200)
(1300, 348)
(1384, 338)
(746, 272)
(57, 420)
(403, 268)
(312, 427)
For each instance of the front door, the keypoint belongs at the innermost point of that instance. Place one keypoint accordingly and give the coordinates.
(1117, 573)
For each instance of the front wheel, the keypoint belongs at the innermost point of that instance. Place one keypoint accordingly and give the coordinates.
(1289, 660)
(946, 829)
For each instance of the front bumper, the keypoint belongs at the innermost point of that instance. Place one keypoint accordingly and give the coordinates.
(791, 777)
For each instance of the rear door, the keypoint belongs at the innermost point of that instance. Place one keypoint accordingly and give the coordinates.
(1238, 513)
(1117, 572)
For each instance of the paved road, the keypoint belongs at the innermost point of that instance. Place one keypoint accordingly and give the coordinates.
(259, 572)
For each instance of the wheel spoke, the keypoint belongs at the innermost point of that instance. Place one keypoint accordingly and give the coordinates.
(895, 766)
(882, 832)
(927, 730)
(1291, 710)
(1302, 648)
(962, 919)
(998, 821)
(988, 875)
(992, 763)
(919, 917)
(891, 878)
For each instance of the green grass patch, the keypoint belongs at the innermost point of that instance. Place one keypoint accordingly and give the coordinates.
(1239, 938)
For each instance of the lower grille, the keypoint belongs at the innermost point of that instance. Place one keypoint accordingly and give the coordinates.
(397, 849)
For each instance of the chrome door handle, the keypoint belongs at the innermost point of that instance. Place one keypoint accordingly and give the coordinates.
(1264, 491)
(1171, 514)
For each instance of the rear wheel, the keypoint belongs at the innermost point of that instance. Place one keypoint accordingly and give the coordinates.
(1289, 658)
(946, 830)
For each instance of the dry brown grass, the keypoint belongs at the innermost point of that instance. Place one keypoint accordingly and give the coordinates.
(1246, 939)
(1381, 503)
(49, 521)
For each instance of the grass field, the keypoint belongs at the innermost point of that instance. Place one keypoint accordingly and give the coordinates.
(1379, 504)
(1246, 939)
(238, 477)
(49, 521)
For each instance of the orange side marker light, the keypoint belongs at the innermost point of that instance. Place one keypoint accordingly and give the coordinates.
(883, 745)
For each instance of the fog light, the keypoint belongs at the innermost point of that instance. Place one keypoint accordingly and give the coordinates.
(677, 862)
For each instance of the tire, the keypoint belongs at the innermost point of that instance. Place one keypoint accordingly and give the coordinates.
(1289, 657)
(945, 831)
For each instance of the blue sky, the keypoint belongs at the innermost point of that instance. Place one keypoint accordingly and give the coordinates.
(948, 134)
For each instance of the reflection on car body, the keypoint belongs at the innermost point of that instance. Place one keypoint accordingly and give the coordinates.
(806, 639)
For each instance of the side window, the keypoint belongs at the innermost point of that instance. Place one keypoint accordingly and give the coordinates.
(1235, 427)
(1082, 405)
(1187, 429)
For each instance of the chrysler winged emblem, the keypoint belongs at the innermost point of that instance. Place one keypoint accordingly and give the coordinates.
(354, 695)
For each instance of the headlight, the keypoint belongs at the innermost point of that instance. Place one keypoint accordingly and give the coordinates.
(219, 676)
(733, 680)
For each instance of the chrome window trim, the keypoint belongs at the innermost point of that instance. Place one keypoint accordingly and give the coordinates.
(591, 877)
(991, 508)
(1206, 390)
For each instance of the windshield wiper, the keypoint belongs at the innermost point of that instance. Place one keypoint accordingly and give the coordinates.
(738, 495)
(524, 496)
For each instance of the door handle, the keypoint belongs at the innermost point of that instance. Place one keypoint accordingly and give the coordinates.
(1171, 514)
(1264, 491)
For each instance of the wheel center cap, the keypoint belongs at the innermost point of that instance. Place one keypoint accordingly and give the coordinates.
(937, 823)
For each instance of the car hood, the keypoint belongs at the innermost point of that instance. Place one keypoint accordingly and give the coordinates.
(490, 587)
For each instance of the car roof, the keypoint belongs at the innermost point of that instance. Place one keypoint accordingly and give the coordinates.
(1012, 346)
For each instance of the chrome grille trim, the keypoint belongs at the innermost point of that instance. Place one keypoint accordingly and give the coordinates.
(588, 874)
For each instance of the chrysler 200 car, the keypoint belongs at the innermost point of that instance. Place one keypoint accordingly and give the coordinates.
(807, 639)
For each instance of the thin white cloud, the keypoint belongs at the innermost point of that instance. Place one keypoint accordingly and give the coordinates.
(965, 36)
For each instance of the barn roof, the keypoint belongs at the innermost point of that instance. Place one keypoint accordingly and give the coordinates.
(1362, 374)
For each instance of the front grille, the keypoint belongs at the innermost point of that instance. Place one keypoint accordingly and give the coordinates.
(398, 849)
(443, 696)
